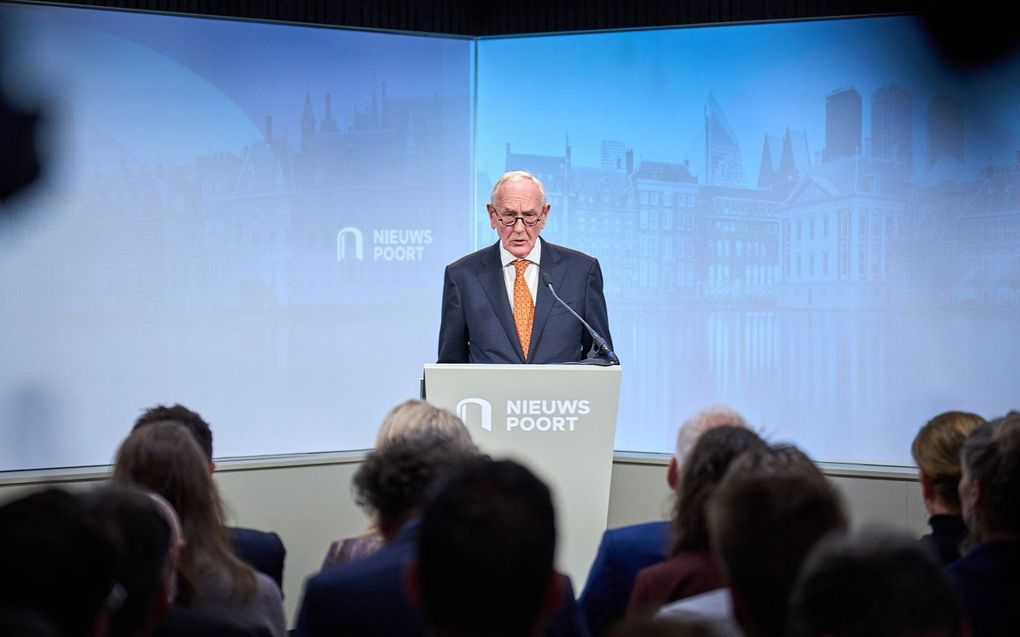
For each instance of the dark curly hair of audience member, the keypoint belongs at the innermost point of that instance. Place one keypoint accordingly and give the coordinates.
(394, 479)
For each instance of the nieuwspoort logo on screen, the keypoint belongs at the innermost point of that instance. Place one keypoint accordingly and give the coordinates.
(388, 244)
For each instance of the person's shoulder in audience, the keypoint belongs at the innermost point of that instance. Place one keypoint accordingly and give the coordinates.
(363, 597)
(262, 550)
(714, 608)
(622, 553)
(351, 549)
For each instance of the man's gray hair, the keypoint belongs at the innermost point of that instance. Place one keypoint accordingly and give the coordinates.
(699, 423)
(515, 175)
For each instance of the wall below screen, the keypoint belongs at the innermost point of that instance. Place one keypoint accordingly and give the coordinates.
(309, 503)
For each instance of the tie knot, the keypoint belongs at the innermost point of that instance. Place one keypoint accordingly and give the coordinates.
(521, 265)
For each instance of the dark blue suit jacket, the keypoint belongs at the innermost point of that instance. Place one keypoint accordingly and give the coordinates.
(478, 323)
(622, 553)
(263, 551)
(988, 581)
(367, 597)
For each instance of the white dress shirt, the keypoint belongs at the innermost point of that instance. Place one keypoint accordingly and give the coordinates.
(530, 274)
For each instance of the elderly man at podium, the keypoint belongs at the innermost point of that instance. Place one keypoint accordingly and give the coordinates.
(500, 304)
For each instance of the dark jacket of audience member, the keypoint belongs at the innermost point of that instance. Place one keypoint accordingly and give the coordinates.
(873, 583)
(691, 568)
(936, 450)
(485, 556)
(57, 564)
(988, 577)
(621, 555)
(263, 551)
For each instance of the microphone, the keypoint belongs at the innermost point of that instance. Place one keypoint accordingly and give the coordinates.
(598, 343)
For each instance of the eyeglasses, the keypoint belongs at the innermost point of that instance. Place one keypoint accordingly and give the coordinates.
(529, 219)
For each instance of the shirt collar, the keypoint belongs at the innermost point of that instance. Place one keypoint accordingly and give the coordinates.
(535, 256)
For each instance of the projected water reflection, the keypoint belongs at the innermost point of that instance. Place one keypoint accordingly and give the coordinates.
(799, 376)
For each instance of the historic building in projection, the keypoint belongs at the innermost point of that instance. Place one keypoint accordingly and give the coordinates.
(836, 231)
(738, 243)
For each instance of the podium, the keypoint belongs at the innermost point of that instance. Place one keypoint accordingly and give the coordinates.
(559, 421)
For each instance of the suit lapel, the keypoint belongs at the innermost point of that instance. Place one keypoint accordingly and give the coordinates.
(490, 275)
(544, 300)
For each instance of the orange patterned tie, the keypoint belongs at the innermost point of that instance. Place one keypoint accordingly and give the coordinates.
(524, 306)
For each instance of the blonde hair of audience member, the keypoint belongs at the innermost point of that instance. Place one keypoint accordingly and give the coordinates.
(419, 416)
(165, 458)
(691, 430)
(936, 450)
(990, 485)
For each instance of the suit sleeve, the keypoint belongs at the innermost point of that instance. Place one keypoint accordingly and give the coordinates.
(453, 336)
(595, 311)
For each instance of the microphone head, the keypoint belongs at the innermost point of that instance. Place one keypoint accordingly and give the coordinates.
(546, 279)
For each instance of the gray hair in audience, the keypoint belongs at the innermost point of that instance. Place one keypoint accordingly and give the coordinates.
(699, 423)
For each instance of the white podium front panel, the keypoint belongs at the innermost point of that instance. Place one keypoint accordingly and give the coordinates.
(560, 421)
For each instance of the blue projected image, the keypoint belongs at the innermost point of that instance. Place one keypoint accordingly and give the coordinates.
(245, 218)
(816, 223)
(824, 234)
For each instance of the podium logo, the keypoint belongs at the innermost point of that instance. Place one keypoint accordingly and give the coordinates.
(526, 415)
(484, 412)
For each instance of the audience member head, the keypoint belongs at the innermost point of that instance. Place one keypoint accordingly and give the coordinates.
(485, 555)
(936, 450)
(146, 543)
(394, 478)
(873, 583)
(58, 564)
(703, 470)
(990, 486)
(691, 430)
(766, 514)
(181, 415)
(164, 457)
(418, 415)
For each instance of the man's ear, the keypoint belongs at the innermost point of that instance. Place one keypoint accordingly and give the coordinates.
(492, 215)
(411, 584)
(672, 473)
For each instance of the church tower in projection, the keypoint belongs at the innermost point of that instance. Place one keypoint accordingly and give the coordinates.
(723, 166)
